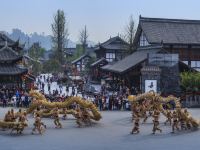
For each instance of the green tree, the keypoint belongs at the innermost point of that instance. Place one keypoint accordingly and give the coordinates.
(36, 67)
(87, 66)
(36, 51)
(52, 66)
(190, 81)
(79, 52)
(60, 35)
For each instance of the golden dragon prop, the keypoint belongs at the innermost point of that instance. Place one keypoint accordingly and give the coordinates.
(157, 101)
(39, 100)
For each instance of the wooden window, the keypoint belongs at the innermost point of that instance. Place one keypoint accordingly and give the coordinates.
(78, 67)
(110, 57)
(143, 40)
(195, 65)
(83, 67)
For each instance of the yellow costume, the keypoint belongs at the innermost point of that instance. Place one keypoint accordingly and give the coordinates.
(56, 118)
(175, 121)
(156, 121)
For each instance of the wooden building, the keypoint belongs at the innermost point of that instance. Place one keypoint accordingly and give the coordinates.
(112, 50)
(96, 73)
(81, 62)
(108, 52)
(175, 35)
(12, 71)
(168, 37)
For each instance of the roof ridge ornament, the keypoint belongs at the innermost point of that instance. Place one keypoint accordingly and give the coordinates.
(6, 44)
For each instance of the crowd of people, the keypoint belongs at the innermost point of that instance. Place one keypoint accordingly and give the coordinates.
(13, 96)
(104, 99)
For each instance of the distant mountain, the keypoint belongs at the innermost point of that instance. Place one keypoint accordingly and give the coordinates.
(44, 40)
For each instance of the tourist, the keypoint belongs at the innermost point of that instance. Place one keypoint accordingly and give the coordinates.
(67, 89)
(49, 86)
(100, 103)
(43, 86)
(5, 100)
(26, 101)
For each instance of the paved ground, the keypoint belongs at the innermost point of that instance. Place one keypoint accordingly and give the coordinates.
(111, 133)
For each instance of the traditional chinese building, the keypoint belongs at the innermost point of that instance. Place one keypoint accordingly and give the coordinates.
(81, 62)
(175, 35)
(114, 49)
(108, 52)
(164, 48)
(12, 71)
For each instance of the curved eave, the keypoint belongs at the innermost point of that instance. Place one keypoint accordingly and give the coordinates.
(12, 70)
(13, 74)
(13, 60)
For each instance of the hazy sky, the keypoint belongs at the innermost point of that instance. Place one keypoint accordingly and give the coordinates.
(104, 18)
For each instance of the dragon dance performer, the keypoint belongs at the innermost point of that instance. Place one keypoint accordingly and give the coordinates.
(78, 116)
(169, 117)
(21, 123)
(156, 115)
(23, 119)
(13, 116)
(135, 109)
(182, 120)
(175, 121)
(8, 117)
(136, 125)
(38, 113)
(56, 118)
(144, 112)
(38, 125)
(137, 121)
(187, 121)
(64, 113)
(86, 117)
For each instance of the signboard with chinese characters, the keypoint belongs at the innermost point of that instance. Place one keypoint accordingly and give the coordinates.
(150, 85)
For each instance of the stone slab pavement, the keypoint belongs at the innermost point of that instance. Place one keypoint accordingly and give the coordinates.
(110, 133)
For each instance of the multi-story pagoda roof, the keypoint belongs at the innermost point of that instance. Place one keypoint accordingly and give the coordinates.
(8, 62)
(9, 55)
(14, 44)
(10, 69)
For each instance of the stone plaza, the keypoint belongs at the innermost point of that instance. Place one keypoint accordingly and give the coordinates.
(111, 132)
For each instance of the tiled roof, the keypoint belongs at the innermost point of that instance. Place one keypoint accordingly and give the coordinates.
(130, 61)
(7, 54)
(4, 38)
(115, 43)
(170, 31)
(9, 69)
(81, 57)
(98, 61)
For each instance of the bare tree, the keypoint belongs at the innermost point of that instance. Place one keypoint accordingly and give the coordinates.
(60, 35)
(83, 38)
(130, 34)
